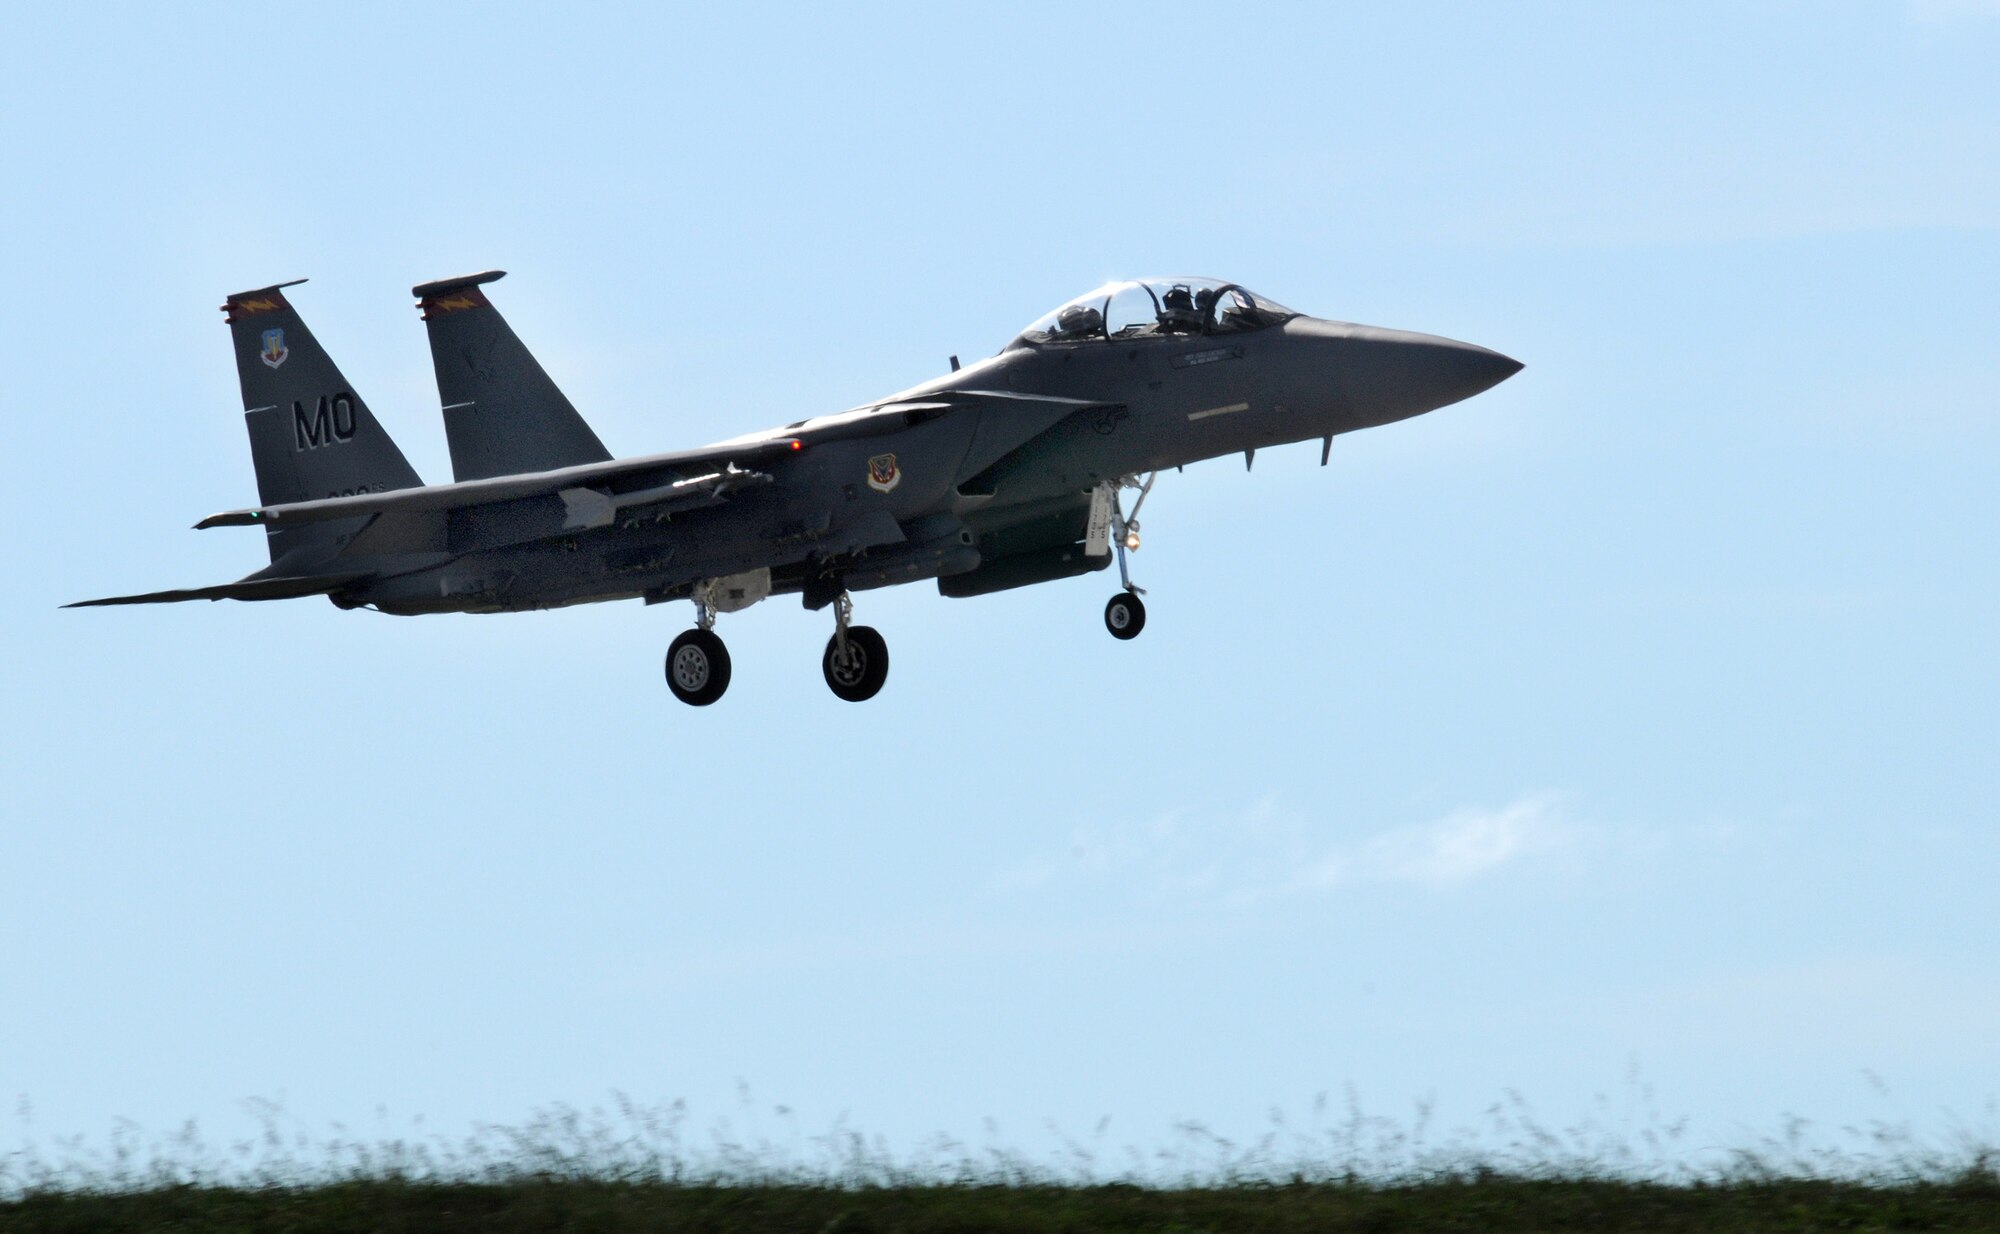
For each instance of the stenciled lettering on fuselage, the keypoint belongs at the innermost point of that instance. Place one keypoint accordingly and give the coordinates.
(331, 420)
(1190, 359)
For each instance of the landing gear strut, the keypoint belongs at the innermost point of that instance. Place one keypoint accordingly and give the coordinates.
(697, 662)
(856, 662)
(1125, 613)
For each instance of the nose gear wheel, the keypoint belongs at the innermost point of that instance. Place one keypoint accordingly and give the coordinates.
(1125, 615)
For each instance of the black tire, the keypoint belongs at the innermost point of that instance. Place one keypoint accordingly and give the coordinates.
(697, 667)
(860, 677)
(1125, 615)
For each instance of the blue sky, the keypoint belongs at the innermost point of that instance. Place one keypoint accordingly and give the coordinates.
(1636, 718)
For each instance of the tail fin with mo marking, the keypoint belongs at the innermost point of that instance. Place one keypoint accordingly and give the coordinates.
(311, 435)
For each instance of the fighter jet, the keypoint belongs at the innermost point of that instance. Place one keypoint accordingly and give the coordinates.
(1002, 473)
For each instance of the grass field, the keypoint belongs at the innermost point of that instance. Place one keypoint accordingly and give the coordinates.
(1471, 1204)
(637, 1168)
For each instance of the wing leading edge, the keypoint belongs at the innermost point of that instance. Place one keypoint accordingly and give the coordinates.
(433, 497)
(1028, 416)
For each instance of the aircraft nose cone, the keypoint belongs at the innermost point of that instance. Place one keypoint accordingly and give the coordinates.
(1448, 371)
(1394, 374)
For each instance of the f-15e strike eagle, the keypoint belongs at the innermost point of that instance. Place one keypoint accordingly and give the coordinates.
(1003, 473)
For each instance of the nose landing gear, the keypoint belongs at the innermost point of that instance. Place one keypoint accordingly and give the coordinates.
(1125, 613)
(856, 662)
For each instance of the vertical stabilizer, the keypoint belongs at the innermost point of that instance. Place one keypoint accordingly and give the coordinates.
(502, 413)
(311, 435)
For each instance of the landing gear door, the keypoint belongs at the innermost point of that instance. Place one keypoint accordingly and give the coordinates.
(1097, 532)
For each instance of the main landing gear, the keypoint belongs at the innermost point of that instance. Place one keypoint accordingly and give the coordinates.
(697, 661)
(856, 662)
(1125, 613)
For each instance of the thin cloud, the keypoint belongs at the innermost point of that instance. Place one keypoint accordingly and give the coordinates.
(1452, 850)
(1269, 851)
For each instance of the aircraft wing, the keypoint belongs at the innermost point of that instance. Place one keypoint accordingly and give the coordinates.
(593, 492)
(651, 471)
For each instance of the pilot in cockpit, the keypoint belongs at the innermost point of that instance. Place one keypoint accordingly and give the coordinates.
(1238, 313)
(1078, 321)
(1177, 310)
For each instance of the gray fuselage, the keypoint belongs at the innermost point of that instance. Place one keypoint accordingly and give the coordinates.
(969, 481)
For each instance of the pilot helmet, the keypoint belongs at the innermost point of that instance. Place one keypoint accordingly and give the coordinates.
(1078, 319)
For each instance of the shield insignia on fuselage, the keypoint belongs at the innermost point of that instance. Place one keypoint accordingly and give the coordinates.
(883, 474)
(274, 348)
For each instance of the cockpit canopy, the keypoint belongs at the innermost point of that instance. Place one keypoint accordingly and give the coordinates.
(1149, 308)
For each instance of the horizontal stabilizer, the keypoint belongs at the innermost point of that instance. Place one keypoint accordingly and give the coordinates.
(252, 588)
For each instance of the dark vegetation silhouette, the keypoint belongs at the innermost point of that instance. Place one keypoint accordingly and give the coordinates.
(628, 1166)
